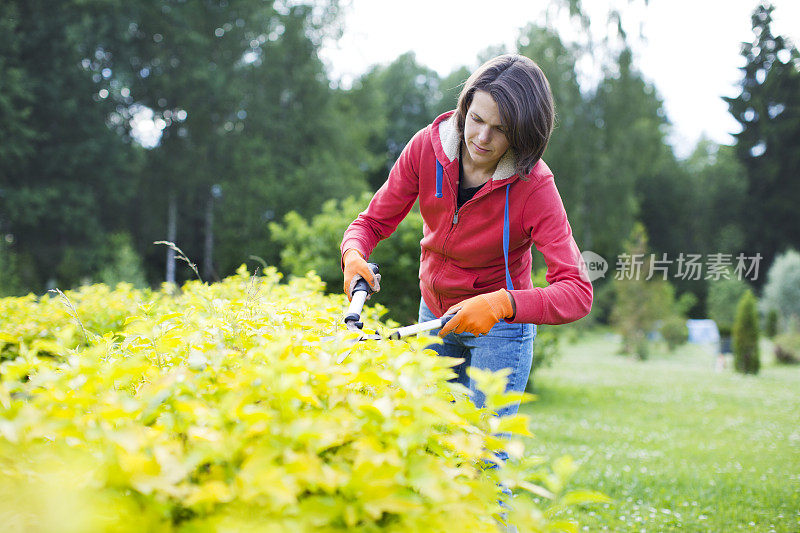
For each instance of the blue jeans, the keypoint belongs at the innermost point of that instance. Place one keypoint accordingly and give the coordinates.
(504, 346)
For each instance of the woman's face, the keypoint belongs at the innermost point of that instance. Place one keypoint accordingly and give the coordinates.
(484, 132)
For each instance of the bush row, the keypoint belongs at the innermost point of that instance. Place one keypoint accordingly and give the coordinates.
(243, 406)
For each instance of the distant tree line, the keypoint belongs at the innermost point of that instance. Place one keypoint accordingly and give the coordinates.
(252, 128)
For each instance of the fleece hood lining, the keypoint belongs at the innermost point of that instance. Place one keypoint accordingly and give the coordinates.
(450, 139)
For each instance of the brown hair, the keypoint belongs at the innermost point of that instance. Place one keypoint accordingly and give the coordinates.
(524, 100)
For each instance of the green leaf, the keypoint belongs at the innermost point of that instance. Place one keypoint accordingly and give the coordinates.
(168, 316)
(563, 525)
(517, 424)
(582, 497)
(564, 467)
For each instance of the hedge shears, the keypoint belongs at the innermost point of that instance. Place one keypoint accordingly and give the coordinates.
(352, 317)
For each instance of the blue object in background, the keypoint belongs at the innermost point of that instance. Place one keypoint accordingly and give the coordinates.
(703, 331)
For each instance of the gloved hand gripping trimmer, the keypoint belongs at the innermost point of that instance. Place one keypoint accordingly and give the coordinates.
(352, 318)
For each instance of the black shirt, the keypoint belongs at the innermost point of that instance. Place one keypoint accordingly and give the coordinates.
(465, 193)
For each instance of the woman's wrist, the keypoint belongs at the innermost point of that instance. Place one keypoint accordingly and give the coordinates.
(346, 252)
(513, 305)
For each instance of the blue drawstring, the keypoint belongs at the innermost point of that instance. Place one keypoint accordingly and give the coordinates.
(509, 283)
(439, 171)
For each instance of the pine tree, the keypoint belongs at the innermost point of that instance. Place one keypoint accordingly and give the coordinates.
(745, 336)
(768, 110)
(771, 327)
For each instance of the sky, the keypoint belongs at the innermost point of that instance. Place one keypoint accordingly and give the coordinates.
(446, 34)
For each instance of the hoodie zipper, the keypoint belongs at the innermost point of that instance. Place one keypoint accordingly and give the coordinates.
(455, 215)
(453, 226)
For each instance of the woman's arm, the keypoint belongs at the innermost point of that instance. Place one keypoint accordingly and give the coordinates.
(568, 297)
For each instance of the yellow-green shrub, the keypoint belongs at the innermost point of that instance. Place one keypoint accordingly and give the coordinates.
(223, 407)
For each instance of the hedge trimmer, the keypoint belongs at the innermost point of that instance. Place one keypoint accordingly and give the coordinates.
(352, 317)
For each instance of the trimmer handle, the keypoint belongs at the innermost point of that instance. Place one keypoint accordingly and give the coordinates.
(358, 296)
(413, 329)
(362, 285)
(445, 319)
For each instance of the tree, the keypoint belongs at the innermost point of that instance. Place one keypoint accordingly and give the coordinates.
(745, 336)
(407, 97)
(718, 189)
(122, 264)
(695, 207)
(182, 61)
(11, 283)
(314, 245)
(782, 290)
(572, 168)
(608, 149)
(66, 176)
(768, 109)
(16, 136)
(246, 111)
(631, 159)
(640, 303)
(723, 296)
(16, 139)
(771, 324)
(449, 89)
(299, 147)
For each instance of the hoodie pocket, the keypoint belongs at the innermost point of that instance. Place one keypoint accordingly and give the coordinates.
(490, 280)
(455, 282)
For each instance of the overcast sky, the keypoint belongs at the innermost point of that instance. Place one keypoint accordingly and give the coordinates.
(446, 34)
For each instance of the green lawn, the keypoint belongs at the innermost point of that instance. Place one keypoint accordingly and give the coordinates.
(676, 444)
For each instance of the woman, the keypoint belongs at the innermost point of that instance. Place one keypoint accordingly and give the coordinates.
(486, 198)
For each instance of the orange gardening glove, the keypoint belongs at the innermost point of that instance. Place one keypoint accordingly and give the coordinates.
(355, 267)
(478, 314)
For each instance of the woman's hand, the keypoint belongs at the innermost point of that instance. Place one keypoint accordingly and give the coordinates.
(356, 266)
(477, 315)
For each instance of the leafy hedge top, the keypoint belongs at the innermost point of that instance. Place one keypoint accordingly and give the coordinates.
(223, 407)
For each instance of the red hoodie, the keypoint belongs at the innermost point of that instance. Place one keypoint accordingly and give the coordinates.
(462, 248)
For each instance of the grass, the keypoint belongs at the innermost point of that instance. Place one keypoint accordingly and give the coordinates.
(676, 444)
